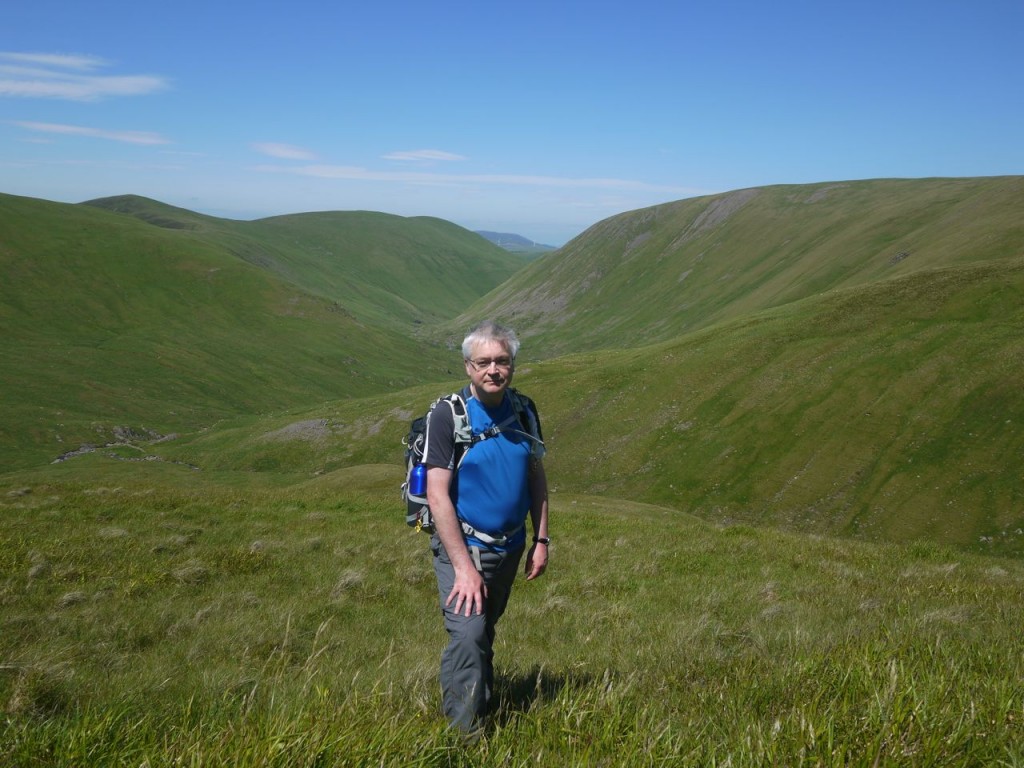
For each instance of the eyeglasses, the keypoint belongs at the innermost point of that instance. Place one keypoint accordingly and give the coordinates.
(502, 363)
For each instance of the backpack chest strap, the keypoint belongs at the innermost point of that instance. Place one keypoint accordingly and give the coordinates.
(494, 430)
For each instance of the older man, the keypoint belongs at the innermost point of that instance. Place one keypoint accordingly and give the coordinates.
(480, 497)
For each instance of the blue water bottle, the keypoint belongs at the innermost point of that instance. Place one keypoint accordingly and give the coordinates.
(418, 480)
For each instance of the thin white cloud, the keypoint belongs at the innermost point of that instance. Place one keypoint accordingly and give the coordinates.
(58, 76)
(423, 155)
(128, 137)
(60, 60)
(283, 151)
(354, 173)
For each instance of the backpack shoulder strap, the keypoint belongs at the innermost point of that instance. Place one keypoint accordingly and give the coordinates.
(461, 427)
(462, 430)
(526, 412)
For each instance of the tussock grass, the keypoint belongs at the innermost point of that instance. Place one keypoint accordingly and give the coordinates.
(283, 627)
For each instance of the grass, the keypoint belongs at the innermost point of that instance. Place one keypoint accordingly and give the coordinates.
(873, 398)
(145, 624)
(653, 275)
(109, 321)
(387, 270)
(881, 413)
(246, 593)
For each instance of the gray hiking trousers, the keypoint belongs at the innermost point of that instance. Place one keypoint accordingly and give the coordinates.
(467, 664)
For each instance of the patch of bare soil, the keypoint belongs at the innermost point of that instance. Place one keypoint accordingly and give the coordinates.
(311, 430)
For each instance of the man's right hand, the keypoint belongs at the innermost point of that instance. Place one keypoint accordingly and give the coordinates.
(468, 592)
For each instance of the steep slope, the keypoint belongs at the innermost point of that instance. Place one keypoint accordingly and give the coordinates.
(653, 274)
(854, 388)
(888, 412)
(891, 411)
(386, 270)
(111, 321)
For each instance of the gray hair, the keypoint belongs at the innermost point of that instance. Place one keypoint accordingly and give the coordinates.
(488, 330)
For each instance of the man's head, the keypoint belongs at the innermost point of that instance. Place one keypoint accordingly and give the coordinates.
(490, 354)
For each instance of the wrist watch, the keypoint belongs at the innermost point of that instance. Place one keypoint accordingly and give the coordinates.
(541, 540)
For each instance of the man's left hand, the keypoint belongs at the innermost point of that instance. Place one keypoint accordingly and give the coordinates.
(536, 561)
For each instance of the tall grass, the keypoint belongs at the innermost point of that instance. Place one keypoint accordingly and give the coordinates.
(148, 625)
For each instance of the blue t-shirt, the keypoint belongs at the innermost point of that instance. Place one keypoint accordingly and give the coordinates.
(491, 489)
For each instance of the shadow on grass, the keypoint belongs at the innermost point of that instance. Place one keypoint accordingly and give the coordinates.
(517, 694)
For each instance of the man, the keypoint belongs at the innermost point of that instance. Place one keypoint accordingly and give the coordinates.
(479, 507)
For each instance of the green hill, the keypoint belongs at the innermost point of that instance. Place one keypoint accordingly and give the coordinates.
(842, 361)
(158, 319)
(886, 412)
(655, 274)
(386, 270)
(891, 411)
(835, 358)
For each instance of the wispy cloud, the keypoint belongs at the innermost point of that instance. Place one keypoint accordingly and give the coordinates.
(355, 173)
(74, 78)
(423, 155)
(283, 151)
(59, 60)
(128, 137)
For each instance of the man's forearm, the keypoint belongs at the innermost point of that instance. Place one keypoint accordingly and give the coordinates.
(539, 500)
(446, 521)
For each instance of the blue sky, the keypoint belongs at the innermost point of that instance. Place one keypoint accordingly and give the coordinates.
(538, 118)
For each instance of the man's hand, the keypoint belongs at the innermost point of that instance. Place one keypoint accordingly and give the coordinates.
(468, 592)
(536, 561)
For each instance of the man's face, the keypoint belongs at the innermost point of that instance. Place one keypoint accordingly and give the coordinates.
(490, 370)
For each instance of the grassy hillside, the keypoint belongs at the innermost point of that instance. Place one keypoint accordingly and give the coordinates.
(889, 412)
(885, 407)
(655, 274)
(385, 270)
(410, 271)
(248, 626)
(766, 488)
(149, 321)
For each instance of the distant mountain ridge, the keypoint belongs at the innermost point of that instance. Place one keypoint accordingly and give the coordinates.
(516, 243)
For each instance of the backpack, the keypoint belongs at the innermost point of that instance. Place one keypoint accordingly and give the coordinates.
(414, 489)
